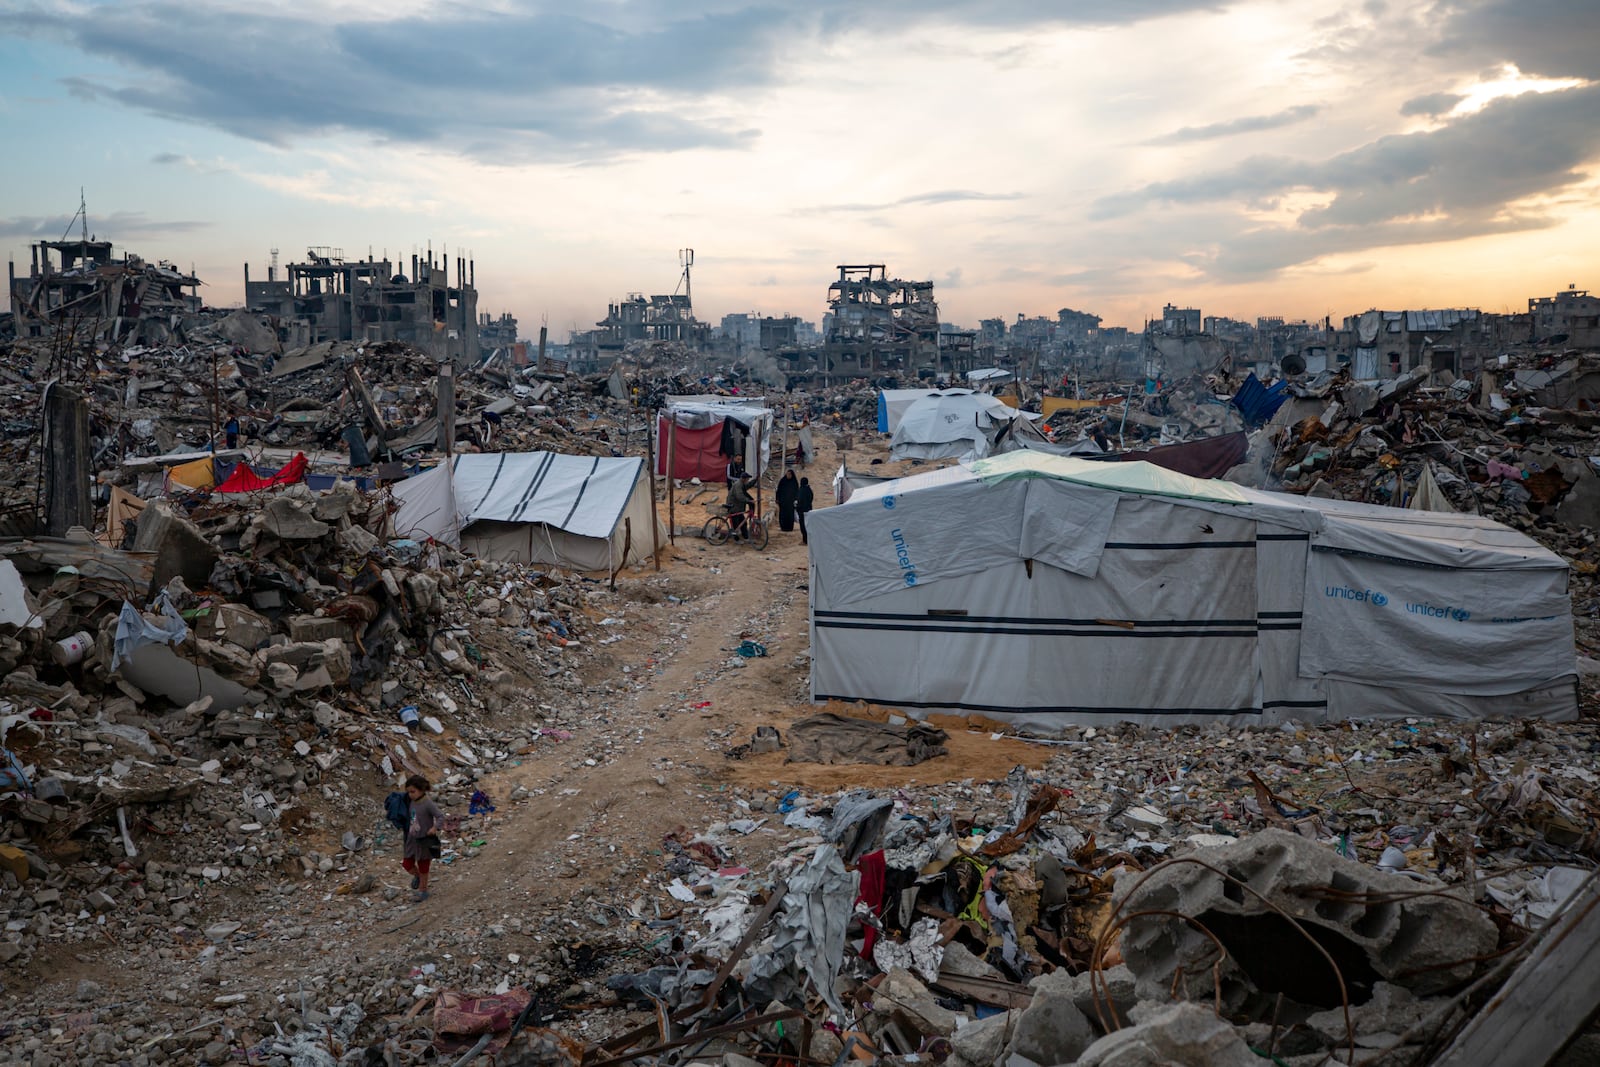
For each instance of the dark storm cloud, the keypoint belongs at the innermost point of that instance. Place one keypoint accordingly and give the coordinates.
(1247, 124)
(1460, 180)
(540, 81)
(1554, 38)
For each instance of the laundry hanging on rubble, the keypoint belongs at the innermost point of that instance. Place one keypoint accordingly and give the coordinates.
(135, 629)
(245, 480)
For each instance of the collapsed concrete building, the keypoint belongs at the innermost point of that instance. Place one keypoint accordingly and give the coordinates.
(877, 324)
(80, 286)
(329, 298)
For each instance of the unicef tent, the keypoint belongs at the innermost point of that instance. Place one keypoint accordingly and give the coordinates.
(584, 513)
(1048, 591)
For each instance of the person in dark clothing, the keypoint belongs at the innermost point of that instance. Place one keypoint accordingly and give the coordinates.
(231, 429)
(803, 505)
(787, 495)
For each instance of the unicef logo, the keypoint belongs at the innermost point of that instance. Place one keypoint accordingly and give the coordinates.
(1379, 599)
(911, 577)
(888, 502)
(1460, 614)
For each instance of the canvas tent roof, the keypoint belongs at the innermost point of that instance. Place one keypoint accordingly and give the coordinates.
(1050, 590)
(950, 424)
(584, 497)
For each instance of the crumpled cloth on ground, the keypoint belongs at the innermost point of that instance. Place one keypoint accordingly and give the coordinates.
(134, 631)
(830, 738)
(459, 1020)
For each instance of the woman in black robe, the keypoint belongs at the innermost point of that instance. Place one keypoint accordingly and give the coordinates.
(788, 495)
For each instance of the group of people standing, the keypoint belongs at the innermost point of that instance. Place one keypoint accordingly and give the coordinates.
(794, 500)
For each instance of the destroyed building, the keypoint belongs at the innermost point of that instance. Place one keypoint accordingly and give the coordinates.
(1572, 314)
(880, 324)
(329, 298)
(82, 287)
(500, 334)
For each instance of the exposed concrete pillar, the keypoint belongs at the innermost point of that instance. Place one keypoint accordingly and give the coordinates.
(66, 474)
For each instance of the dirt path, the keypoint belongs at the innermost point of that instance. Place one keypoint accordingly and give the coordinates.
(582, 845)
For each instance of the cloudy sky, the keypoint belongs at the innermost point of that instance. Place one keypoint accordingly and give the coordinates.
(1296, 157)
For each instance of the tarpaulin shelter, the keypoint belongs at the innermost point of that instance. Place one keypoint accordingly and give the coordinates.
(705, 433)
(584, 513)
(951, 424)
(244, 479)
(1048, 591)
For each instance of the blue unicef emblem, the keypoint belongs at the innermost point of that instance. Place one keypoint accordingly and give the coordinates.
(911, 577)
(888, 502)
(1460, 614)
(1379, 599)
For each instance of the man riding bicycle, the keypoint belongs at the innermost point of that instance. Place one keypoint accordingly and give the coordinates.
(739, 504)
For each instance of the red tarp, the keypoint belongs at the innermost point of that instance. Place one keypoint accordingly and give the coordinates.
(698, 453)
(245, 480)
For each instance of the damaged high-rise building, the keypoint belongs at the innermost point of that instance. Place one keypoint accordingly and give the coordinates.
(880, 324)
(329, 298)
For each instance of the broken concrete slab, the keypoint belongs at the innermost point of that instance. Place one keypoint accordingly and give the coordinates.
(158, 669)
(179, 547)
(1184, 1033)
(1049, 1031)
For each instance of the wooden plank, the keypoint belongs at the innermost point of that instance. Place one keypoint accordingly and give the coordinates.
(1548, 999)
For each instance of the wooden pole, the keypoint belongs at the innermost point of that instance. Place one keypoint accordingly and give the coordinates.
(784, 466)
(650, 461)
(672, 503)
(627, 547)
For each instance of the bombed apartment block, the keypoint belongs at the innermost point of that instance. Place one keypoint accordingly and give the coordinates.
(80, 287)
(637, 319)
(329, 298)
(1571, 317)
(878, 324)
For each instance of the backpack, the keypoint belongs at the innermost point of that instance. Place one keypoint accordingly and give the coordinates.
(397, 809)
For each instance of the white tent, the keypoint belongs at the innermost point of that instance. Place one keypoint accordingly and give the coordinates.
(892, 405)
(584, 513)
(1048, 591)
(953, 424)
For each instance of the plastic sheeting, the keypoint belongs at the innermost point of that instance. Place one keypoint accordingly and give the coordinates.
(245, 480)
(1257, 402)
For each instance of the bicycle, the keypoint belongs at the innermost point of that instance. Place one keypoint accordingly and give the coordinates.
(718, 530)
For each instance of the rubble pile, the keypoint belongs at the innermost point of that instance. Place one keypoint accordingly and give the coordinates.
(1257, 896)
(206, 707)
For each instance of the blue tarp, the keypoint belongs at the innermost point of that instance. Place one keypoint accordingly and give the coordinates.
(883, 413)
(1257, 402)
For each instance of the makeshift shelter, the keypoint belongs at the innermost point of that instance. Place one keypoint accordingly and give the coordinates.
(244, 478)
(706, 433)
(584, 513)
(892, 405)
(952, 424)
(1048, 591)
